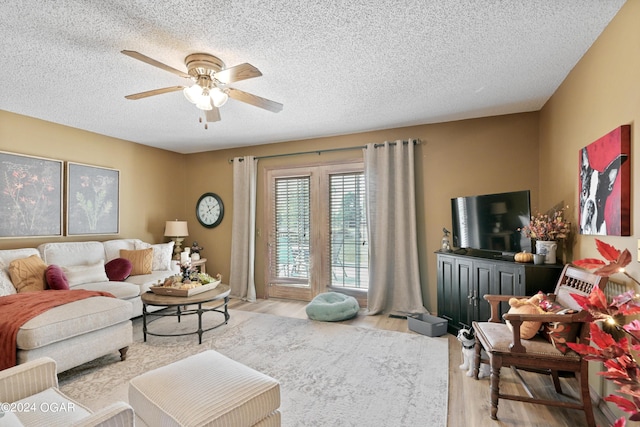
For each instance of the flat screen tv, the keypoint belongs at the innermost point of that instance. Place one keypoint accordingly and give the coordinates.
(491, 221)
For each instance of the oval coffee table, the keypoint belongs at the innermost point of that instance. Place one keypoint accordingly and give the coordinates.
(178, 306)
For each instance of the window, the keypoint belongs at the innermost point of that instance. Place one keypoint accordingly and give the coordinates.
(349, 248)
(292, 223)
(318, 230)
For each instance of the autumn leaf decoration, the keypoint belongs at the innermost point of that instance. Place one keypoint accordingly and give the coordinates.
(616, 355)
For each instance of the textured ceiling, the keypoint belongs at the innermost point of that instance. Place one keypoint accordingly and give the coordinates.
(337, 66)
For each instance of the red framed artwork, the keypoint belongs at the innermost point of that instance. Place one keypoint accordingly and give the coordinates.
(605, 185)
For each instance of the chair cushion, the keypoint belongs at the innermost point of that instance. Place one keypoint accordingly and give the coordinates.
(496, 338)
(206, 389)
(332, 307)
(55, 278)
(560, 333)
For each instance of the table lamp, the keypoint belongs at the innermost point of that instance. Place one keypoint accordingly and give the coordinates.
(177, 230)
(498, 209)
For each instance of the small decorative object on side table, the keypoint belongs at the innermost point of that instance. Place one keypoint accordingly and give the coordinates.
(195, 251)
(446, 241)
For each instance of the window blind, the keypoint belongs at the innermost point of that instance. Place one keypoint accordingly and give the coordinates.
(291, 228)
(348, 246)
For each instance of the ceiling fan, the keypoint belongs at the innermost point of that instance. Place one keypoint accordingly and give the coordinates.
(210, 91)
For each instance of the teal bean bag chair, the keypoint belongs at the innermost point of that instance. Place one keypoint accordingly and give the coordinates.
(332, 307)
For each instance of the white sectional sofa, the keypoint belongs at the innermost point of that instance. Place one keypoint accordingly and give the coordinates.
(77, 332)
(82, 254)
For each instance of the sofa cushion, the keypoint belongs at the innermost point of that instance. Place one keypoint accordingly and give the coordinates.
(141, 260)
(55, 278)
(81, 274)
(28, 274)
(162, 254)
(6, 256)
(118, 269)
(72, 319)
(121, 290)
(112, 247)
(67, 254)
(6, 287)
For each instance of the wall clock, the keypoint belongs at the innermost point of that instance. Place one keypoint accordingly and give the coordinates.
(209, 210)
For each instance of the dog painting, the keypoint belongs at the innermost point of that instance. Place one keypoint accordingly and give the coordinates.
(468, 341)
(604, 187)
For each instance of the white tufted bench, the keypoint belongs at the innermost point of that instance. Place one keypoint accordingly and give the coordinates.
(207, 389)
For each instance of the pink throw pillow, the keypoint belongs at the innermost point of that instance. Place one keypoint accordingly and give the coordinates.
(55, 278)
(118, 269)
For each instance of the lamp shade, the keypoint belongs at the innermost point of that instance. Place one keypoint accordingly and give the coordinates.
(176, 229)
(498, 208)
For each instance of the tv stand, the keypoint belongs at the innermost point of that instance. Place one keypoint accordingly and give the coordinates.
(464, 278)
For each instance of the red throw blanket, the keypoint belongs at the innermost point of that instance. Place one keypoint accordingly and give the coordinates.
(17, 309)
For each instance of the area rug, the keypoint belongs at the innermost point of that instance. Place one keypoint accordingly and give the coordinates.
(330, 374)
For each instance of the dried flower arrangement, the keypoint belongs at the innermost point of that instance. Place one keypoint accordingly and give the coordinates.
(549, 227)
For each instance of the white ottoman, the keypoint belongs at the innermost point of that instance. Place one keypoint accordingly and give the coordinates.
(207, 389)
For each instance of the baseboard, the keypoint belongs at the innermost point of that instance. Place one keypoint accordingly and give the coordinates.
(601, 404)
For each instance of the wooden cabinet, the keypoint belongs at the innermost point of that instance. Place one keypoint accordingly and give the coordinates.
(463, 280)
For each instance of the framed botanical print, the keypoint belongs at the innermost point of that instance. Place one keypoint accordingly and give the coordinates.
(92, 200)
(31, 196)
(604, 185)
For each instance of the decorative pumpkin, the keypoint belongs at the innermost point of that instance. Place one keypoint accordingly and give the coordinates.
(523, 257)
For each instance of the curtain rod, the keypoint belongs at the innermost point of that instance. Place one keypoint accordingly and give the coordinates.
(327, 150)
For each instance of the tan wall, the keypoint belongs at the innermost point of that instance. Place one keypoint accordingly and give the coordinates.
(152, 181)
(488, 155)
(600, 94)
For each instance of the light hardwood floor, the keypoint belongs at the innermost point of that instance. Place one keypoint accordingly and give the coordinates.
(468, 398)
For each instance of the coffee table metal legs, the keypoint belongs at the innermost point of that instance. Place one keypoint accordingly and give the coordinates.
(178, 312)
(144, 322)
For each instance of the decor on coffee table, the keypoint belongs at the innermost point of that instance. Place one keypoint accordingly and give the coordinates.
(605, 185)
(30, 196)
(92, 200)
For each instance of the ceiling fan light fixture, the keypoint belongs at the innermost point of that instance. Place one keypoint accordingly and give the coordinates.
(193, 93)
(218, 97)
(204, 104)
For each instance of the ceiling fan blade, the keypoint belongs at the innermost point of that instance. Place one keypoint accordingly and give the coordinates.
(254, 100)
(237, 73)
(154, 92)
(150, 61)
(212, 115)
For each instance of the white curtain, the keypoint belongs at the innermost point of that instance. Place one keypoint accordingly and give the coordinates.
(394, 274)
(243, 240)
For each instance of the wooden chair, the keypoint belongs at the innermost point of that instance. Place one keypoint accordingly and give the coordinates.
(505, 348)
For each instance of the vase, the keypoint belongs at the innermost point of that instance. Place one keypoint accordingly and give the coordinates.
(548, 248)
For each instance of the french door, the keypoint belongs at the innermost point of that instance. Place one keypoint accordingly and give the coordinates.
(317, 231)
